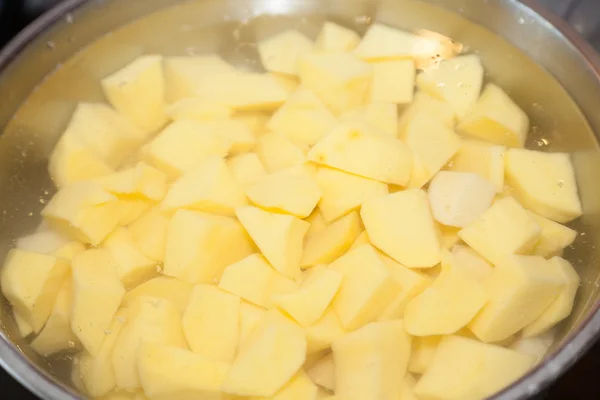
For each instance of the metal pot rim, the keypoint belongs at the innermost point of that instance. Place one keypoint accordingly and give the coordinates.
(44, 386)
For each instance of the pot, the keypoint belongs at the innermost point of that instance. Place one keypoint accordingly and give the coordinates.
(58, 60)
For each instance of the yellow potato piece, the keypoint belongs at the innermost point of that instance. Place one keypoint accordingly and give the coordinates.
(149, 320)
(467, 369)
(393, 81)
(163, 287)
(277, 152)
(280, 53)
(211, 323)
(426, 104)
(505, 228)
(142, 181)
(420, 133)
(149, 233)
(401, 225)
(370, 361)
(184, 144)
(324, 332)
(465, 259)
(316, 221)
(31, 283)
(308, 304)
(268, 359)
(449, 235)
(562, 306)
(247, 169)
(496, 118)
(322, 372)
(481, 158)
(278, 236)
(340, 80)
(97, 294)
(57, 334)
(332, 242)
(237, 133)
(184, 75)
(381, 115)
(554, 237)
(23, 326)
(519, 290)
(250, 316)
(171, 373)
(361, 149)
(132, 266)
(545, 183)
(457, 81)
(292, 191)
(422, 353)
(304, 118)
(363, 238)
(208, 187)
(201, 245)
(382, 42)
(299, 387)
(96, 372)
(446, 306)
(367, 287)
(42, 242)
(198, 110)
(138, 92)
(344, 192)
(334, 38)
(130, 209)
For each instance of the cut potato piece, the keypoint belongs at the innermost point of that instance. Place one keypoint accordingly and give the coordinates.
(42, 242)
(382, 42)
(467, 369)
(383, 116)
(211, 323)
(317, 223)
(496, 118)
(141, 181)
(363, 238)
(31, 282)
(247, 169)
(200, 246)
(367, 287)
(334, 38)
(323, 372)
(420, 133)
(343, 192)
(481, 158)
(332, 242)
(505, 228)
(465, 259)
(57, 334)
(129, 210)
(23, 326)
(457, 81)
(370, 360)
(393, 82)
(426, 104)
(149, 320)
(280, 53)
(184, 75)
(304, 118)
(198, 110)
(324, 332)
(562, 306)
(459, 198)
(132, 266)
(149, 233)
(422, 353)
(292, 191)
(536, 346)
(237, 133)
(170, 373)
(184, 144)
(446, 306)
(307, 304)
(544, 183)
(364, 150)
(299, 387)
(163, 287)
(341, 80)
(554, 237)
(277, 152)
(411, 283)
(520, 289)
(250, 316)
(269, 358)
(243, 91)
(401, 225)
(279, 237)
(208, 187)
(138, 92)
(256, 121)
(97, 294)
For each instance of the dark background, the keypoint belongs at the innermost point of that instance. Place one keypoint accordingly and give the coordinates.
(584, 15)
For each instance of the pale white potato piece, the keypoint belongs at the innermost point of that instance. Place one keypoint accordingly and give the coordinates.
(496, 118)
(458, 198)
(280, 52)
(384, 42)
(138, 92)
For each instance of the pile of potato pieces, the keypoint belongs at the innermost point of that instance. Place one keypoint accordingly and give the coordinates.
(220, 234)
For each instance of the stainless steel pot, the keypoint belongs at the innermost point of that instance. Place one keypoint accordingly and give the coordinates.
(551, 72)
